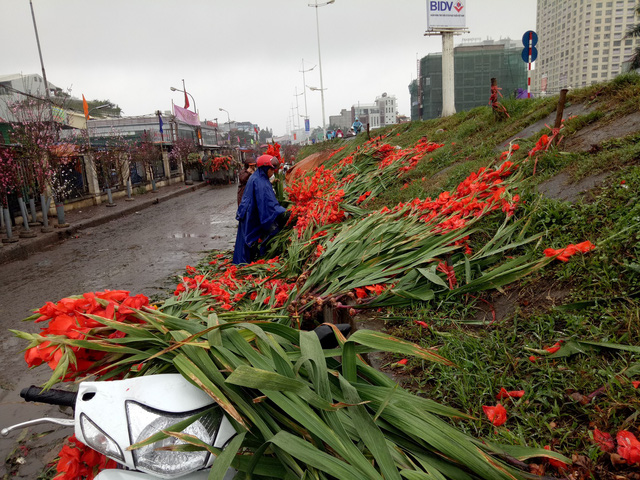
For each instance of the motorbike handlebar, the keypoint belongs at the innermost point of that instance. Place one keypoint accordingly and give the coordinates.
(52, 397)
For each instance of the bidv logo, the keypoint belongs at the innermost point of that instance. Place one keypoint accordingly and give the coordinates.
(440, 6)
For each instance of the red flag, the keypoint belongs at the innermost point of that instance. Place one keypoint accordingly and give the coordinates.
(85, 107)
(186, 100)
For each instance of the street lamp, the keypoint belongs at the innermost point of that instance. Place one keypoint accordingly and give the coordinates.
(195, 109)
(228, 122)
(106, 105)
(174, 89)
(304, 83)
(316, 5)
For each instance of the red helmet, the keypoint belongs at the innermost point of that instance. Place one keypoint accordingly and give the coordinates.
(265, 161)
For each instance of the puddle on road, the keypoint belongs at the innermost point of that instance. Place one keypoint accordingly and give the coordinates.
(186, 235)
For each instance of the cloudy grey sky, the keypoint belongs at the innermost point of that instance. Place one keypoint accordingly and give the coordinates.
(241, 55)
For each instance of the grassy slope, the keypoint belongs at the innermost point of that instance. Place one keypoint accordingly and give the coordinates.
(592, 297)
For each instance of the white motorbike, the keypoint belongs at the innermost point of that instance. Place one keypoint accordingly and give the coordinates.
(111, 416)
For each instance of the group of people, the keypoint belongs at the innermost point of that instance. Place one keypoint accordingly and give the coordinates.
(356, 127)
(259, 214)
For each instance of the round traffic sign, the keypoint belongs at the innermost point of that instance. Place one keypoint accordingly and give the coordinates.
(525, 54)
(530, 34)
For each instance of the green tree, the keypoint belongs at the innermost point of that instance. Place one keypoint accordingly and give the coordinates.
(634, 32)
(265, 135)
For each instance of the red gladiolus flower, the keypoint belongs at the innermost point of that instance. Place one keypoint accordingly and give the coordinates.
(554, 348)
(377, 289)
(496, 415)
(79, 461)
(563, 254)
(533, 359)
(361, 293)
(555, 463)
(628, 447)
(402, 362)
(422, 324)
(509, 394)
(635, 383)
(69, 318)
(449, 271)
(604, 440)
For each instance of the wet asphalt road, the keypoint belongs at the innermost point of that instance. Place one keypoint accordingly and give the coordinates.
(139, 253)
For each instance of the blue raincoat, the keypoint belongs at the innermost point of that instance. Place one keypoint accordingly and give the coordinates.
(257, 216)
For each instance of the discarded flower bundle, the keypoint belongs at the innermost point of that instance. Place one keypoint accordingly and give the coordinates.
(324, 418)
(316, 200)
(322, 197)
(229, 287)
(77, 461)
(216, 164)
(91, 315)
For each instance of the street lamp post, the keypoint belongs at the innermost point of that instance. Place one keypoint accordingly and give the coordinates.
(174, 89)
(316, 5)
(228, 124)
(321, 90)
(304, 89)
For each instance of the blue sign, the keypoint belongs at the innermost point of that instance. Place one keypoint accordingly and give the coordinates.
(525, 54)
(530, 35)
(307, 128)
(529, 40)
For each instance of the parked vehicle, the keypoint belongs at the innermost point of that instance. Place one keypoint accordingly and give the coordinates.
(110, 416)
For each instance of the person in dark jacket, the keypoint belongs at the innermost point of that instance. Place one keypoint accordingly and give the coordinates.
(259, 214)
(243, 177)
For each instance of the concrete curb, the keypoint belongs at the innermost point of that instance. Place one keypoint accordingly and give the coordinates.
(22, 249)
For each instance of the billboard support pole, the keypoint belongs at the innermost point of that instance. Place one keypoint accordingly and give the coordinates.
(448, 73)
(447, 19)
(448, 81)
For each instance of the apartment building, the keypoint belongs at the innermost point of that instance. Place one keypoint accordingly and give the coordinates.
(582, 42)
(387, 104)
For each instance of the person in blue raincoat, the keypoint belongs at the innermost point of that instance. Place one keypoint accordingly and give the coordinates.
(357, 126)
(259, 214)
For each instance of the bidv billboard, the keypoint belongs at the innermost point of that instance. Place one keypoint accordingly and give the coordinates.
(442, 14)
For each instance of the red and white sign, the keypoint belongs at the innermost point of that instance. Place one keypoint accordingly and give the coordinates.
(447, 15)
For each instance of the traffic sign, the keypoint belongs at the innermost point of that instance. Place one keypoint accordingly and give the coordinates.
(530, 35)
(525, 54)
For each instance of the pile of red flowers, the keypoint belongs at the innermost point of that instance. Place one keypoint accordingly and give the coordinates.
(316, 200)
(69, 318)
(628, 445)
(77, 461)
(215, 164)
(229, 285)
(480, 193)
(390, 155)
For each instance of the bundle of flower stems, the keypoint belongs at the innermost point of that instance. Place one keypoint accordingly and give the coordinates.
(299, 413)
(391, 257)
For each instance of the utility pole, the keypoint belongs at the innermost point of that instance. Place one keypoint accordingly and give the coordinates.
(44, 75)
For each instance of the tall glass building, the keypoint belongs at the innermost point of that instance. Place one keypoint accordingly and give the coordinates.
(475, 63)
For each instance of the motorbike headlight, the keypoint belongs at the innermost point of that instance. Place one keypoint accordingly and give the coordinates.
(98, 440)
(144, 422)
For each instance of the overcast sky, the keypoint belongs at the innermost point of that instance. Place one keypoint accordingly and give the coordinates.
(241, 55)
